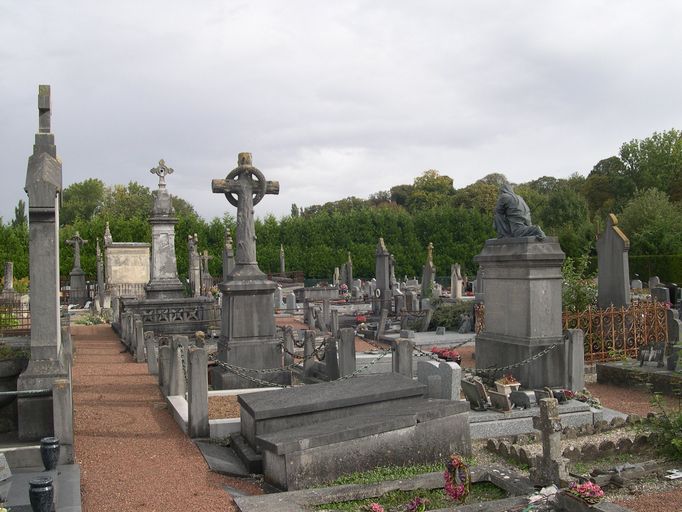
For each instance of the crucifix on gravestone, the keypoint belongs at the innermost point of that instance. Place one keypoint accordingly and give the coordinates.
(249, 186)
(77, 242)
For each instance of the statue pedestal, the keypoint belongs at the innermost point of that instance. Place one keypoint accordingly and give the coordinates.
(248, 336)
(523, 309)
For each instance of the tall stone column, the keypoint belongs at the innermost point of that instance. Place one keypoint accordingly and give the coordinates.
(43, 186)
(163, 282)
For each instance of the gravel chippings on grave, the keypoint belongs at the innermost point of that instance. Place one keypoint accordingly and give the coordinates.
(220, 407)
(133, 455)
(627, 400)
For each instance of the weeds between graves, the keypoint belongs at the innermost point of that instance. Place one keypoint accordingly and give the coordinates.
(383, 473)
(581, 468)
(437, 498)
(667, 426)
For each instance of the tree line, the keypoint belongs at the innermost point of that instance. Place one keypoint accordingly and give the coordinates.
(642, 185)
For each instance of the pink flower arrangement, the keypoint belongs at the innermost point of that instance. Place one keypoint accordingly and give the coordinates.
(588, 491)
(449, 354)
(417, 504)
(375, 507)
(457, 478)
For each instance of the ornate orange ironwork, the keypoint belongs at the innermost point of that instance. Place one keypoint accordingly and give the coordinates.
(611, 333)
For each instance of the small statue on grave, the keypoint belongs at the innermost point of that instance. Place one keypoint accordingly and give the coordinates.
(512, 216)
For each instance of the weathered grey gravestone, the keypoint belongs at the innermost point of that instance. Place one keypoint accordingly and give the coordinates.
(8, 285)
(248, 337)
(456, 281)
(282, 263)
(428, 273)
(194, 265)
(206, 277)
(523, 310)
(100, 276)
(48, 360)
(614, 268)
(78, 293)
(163, 282)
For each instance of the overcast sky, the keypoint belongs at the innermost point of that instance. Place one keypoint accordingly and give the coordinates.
(333, 98)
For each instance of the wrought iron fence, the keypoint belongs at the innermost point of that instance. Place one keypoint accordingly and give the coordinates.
(15, 315)
(614, 333)
(611, 333)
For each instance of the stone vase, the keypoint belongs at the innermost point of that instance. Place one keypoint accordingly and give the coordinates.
(49, 452)
(41, 494)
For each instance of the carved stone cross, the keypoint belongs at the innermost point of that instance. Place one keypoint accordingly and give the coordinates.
(550, 467)
(44, 109)
(77, 243)
(204, 258)
(162, 170)
(249, 186)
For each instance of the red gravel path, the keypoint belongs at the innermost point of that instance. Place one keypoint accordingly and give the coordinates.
(133, 455)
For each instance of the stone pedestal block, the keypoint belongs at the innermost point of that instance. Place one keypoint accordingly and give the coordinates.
(523, 309)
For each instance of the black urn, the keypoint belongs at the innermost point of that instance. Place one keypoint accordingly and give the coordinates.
(41, 494)
(49, 451)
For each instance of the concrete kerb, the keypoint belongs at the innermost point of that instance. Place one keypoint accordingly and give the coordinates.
(513, 482)
(219, 428)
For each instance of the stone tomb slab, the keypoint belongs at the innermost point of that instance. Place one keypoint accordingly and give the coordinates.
(520, 421)
(270, 411)
(391, 434)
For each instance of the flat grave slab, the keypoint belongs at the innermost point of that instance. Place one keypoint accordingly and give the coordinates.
(329, 395)
(384, 418)
(425, 340)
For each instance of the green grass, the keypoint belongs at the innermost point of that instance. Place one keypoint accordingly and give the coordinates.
(581, 468)
(396, 500)
(381, 474)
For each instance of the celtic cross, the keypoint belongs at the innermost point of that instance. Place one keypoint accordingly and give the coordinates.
(77, 243)
(244, 187)
(162, 170)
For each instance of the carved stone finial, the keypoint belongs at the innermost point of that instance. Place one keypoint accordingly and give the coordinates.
(162, 170)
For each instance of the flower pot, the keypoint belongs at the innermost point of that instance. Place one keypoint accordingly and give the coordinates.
(41, 494)
(49, 452)
(507, 388)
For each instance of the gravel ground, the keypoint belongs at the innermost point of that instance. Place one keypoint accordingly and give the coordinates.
(221, 407)
(133, 455)
(627, 400)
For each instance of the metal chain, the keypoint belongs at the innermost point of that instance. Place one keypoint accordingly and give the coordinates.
(514, 365)
(182, 360)
(362, 369)
(237, 371)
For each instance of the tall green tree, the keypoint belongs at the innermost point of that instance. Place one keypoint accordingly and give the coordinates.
(81, 200)
(655, 162)
(652, 223)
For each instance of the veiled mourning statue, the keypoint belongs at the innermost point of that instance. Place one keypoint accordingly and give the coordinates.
(512, 216)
